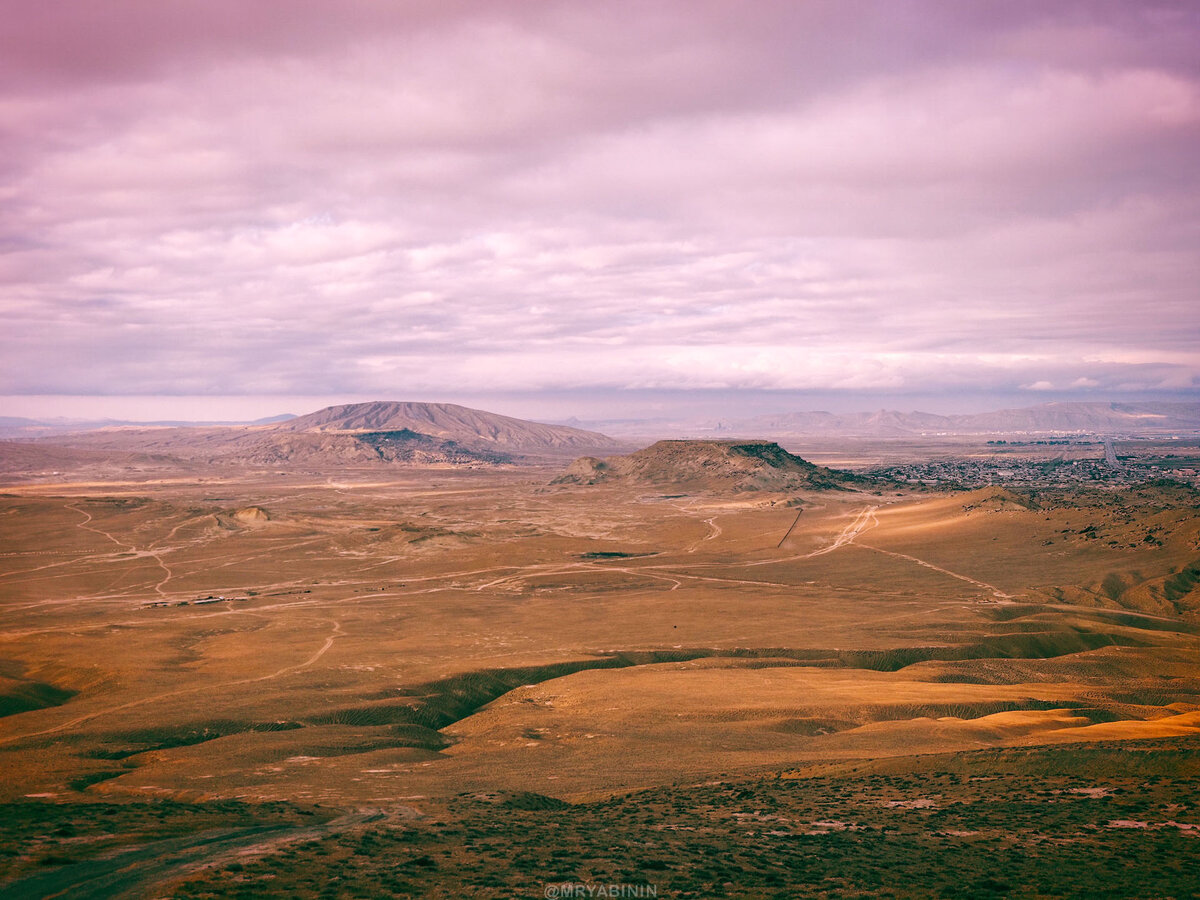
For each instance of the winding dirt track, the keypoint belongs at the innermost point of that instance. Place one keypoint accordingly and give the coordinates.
(995, 591)
(134, 873)
(88, 517)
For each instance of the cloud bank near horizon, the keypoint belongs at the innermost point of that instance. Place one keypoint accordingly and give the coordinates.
(383, 198)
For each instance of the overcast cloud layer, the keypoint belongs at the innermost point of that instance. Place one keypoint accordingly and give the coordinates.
(411, 200)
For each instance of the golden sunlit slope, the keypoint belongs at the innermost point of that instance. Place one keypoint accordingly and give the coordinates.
(1138, 549)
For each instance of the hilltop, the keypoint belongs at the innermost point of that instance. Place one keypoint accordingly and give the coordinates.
(709, 465)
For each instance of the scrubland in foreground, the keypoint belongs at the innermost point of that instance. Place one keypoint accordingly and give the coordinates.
(436, 681)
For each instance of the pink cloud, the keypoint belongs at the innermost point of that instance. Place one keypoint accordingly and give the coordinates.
(678, 194)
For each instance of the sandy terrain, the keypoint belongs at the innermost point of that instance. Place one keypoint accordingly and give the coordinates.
(361, 639)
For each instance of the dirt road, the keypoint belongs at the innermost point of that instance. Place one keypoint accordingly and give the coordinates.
(138, 871)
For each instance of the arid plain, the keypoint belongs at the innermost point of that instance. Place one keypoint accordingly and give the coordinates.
(357, 680)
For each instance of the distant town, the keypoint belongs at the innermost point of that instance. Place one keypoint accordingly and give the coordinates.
(1029, 464)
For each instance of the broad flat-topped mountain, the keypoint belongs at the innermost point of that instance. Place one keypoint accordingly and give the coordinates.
(355, 434)
(447, 421)
(709, 465)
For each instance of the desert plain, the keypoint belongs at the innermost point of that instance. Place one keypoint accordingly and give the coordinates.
(491, 680)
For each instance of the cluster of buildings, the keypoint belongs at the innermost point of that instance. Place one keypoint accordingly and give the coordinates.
(1012, 471)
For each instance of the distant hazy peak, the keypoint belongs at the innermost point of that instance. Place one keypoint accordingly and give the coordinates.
(1048, 418)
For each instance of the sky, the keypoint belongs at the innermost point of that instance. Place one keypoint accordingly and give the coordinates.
(213, 206)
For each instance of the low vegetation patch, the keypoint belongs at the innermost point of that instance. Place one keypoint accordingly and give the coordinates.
(988, 823)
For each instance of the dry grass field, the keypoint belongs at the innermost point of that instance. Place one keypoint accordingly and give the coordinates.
(453, 682)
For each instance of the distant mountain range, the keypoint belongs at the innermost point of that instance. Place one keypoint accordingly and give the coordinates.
(17, 427)
(1048, 418)
(1105, 419)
